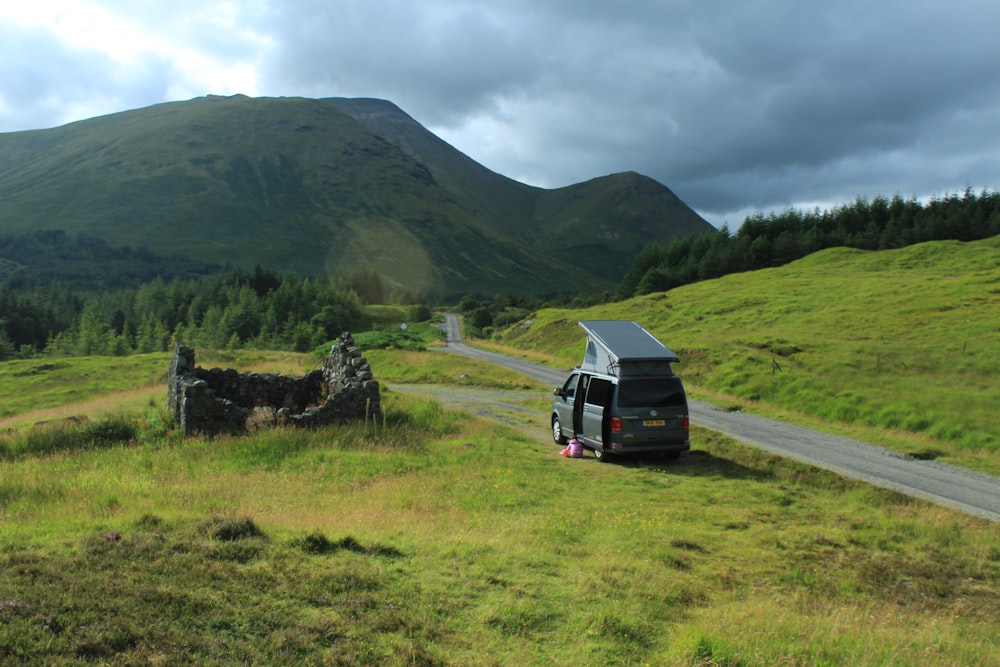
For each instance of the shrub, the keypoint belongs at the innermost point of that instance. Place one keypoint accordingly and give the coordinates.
(318, 544)
(231, 529)
(111, 431)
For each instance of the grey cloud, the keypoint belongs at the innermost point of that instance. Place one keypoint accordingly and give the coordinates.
(735, 106)
(438, 60)
(813, 108)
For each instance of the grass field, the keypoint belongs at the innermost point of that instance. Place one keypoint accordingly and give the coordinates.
(443, 539)
(440, 538)
(898, 347)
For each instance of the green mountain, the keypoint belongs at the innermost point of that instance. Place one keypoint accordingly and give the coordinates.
(322, 185)
(602, 223)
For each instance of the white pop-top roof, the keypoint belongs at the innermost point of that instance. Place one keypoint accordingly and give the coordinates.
(612, 344)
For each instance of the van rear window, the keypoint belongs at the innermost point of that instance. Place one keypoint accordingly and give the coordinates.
(658, 393)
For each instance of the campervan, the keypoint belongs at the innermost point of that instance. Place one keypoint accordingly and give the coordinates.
(624, 398)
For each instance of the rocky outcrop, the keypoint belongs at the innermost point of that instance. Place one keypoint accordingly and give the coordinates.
(225, 401)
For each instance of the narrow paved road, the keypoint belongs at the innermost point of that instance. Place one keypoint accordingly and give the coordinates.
(951, 486)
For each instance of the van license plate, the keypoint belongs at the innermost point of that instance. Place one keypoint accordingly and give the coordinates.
(654, 422)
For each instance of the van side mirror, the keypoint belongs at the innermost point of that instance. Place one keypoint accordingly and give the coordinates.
(557, 391)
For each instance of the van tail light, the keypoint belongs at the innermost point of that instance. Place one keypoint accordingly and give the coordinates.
(616, 424)
(687, 422)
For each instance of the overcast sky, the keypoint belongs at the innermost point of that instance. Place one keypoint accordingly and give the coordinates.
(738, 106)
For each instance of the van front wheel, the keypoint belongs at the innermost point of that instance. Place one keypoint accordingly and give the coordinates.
(557, 434)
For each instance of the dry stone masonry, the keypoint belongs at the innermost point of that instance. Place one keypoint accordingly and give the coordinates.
(225, 401)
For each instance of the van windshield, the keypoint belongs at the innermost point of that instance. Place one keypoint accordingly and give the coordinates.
(650, 393)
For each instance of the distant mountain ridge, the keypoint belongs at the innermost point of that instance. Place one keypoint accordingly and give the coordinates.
(606, 219)
(320, 185)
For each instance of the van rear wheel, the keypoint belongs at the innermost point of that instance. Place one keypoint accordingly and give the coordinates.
(601, 455)
(557, 434)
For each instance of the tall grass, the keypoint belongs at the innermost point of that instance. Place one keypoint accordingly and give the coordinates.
(69, 436)
(446, 539)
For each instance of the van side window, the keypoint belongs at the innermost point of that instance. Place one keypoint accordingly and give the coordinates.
(599, 392)
(569, 389)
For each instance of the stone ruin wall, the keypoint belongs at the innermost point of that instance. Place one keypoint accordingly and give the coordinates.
(225, 401)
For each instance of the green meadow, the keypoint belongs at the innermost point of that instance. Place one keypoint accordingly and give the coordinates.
(899, 347)
(437, 537)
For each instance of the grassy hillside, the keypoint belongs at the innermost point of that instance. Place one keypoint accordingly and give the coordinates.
(607, 220)
(601, 224)
(484, 193)
(298, 184)
(904, 341)
(443, 539)
(286, 184)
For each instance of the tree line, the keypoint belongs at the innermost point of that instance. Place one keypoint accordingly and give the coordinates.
(259, 308)
(256, 308)
(777, 239)
(85, 262)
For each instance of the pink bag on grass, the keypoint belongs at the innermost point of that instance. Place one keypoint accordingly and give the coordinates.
(574, 449)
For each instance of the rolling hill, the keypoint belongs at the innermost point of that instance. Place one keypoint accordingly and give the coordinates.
(902, 340)
(310, 186)
(604, 221)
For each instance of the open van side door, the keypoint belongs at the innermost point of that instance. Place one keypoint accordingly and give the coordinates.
(578, 404)
(596, 405)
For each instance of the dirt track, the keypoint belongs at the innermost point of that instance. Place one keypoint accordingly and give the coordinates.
(947, 485)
